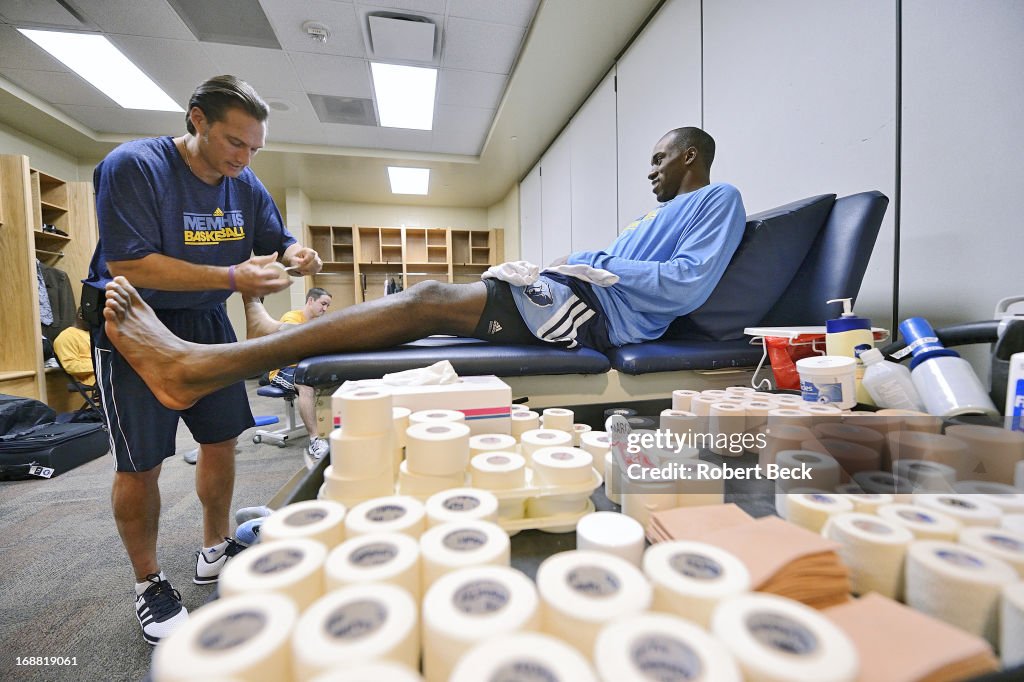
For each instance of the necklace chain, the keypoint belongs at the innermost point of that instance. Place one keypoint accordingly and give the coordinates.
(188, 162)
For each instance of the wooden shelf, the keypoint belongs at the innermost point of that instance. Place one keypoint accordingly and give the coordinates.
(13, 374)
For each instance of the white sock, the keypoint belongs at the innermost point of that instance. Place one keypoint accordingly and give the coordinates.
(213, 553)
(143, 586)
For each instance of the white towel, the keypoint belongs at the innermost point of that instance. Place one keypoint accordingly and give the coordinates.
(523, 273)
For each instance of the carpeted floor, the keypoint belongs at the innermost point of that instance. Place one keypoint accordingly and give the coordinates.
(65, 580)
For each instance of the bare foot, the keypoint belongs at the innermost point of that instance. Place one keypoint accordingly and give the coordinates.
(170, 366)
(258, 321)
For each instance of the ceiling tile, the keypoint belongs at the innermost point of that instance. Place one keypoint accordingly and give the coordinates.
(461, 130)
(323, 74)
(18, 52)
(287, 18)
(403, 139)
(299, 124)
(470, 88)
(269, 71)
(168, 61)
(151, 18)
(408, 6)
(58, 88)
(342, 135)
(38, 12)
(126, 121)
(481, 46)
(513, 12)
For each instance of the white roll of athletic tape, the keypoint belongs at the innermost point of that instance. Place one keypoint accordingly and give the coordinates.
(491, 442)
(1011, 626)
(362, 456)
(558, 419)
(450, 546)
(437, 449)
(656, 646)
(392, 514)
(577, 434)
(788, 416)
(691, 578)
(373, 671)
(925, 524)
(1008, 498)
(873, 549)
(657, 496)
(238, 637)
(884, 482)
(823, 414)
(523, 656)
(368, 622)
(364, 411)
(435, 416)
(596, 443)
(1001, 544)
(701, 404)
(524, 421)
(757, 413)
(678, 421)
(682, 398)
(927, 477)
(349, 490)
(392, 558)
(822, 470)
(293, 568)
(320, 520)
(460, 504)
(556, 505)
(612, 533)
(739, 391)
(958, 585)
(531, 441)
(581, 591)
(612, 479)
(498, 471)
(726, 423)
(866, 503)
(1014, 522)
(562, 465)
(422, 487)
(968, 510)
(775, 639)
(813, 510)
(519, 407)
(473, 605)
(400, 420)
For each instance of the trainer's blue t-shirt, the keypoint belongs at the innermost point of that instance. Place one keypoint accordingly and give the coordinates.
(148, 201)
(668, 261)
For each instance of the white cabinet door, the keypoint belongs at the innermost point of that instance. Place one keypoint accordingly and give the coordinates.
(530, 225)
(592, 142)
(556, 201)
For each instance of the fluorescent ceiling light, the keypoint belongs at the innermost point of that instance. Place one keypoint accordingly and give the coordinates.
(95, 59)
(405, 95)
(409, 180)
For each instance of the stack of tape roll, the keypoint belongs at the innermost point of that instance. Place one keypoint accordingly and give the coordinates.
(557, 418)
(392, 558)
(958, 585)
(535, 439)
(391, 514)
(367, 622)
(293, 568)
(498, 471)
(364, 411)
(1001, 544)
(371, 671)
(812, 510)
(437, 448)
(757, 412)
(727, 422)
(612, 479)
(450, 546)
(320, 520)
(789, 416)
(556, 467)
(925, 524)
(523, 656)
(912, 420)
(400, 420)
(596, 443)
(790, 401)
(884, 482)
(866, 503)
(518, 407)
(422, 486)
(473, 605)
(700, 405)
(581, 591)
(998, 450)
(491, 442)
(612, 533)
(1008, 498)
(806, 468)
(852, 458)
(524, 421)
(775, 639)
(779, 437)
(927, 477)
(362, 456)
(739, 391)
(931, 447)
(655, 646)
(823, 414)
(237, 637)
(436, 416)
(1011, 625)
(969, 511)
(677, 421)
(351, 491)
(682, 398)
(577, 433)
(691, 578)
(460, 504)
(626, 412)
(639, 422)
(873, 549)
(363, 451)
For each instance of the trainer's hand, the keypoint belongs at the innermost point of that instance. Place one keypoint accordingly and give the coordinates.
(260, 275)
(306, 261)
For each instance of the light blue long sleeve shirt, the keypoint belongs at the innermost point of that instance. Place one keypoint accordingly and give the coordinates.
(668, 261)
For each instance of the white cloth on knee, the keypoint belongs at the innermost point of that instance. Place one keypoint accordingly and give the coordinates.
(523, 273)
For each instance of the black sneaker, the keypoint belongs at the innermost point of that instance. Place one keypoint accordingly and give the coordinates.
(208, 571)
(159, 609)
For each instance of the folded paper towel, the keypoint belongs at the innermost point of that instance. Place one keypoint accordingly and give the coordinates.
(437, 374)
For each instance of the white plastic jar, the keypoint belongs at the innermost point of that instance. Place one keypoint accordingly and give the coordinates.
(828, 379)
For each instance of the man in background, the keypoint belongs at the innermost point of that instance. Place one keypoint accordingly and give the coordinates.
(74, 350)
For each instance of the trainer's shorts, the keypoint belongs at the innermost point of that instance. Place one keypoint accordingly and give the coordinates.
(142, 431)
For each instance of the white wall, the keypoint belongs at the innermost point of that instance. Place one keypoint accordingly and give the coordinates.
(593, 185)
(504, 215)
(342, 213)
(556, 200)
(41, 156)
(531, 232)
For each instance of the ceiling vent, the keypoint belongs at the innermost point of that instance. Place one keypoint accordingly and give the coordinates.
(401, 38)
(350, 110)
(235, 22)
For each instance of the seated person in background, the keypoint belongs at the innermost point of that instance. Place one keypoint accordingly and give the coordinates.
(74, 350)
(317, 302)
(662, 266)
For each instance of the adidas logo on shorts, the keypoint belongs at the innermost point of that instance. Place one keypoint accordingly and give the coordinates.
(494, 327)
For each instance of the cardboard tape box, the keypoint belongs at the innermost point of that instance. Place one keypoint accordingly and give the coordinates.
(485, 400)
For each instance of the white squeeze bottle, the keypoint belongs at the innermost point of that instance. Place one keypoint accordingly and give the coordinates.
(888, 383)
(843, 334)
